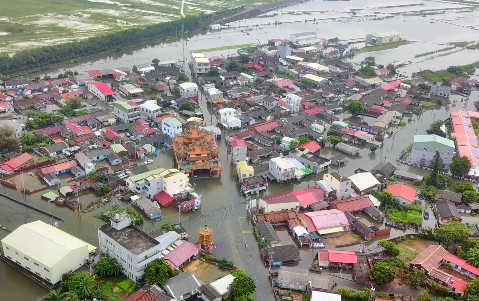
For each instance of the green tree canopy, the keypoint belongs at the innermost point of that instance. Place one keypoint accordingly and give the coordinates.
(8, 142)
(244, 58)
(373, 148)
(107, 266)
(435, 128)
(470, 196)
(103, 189)
(390, 247)
(355, 107)
(391, 68)
(334, 140)
(472, 290)
(460, 166)
(235, 66)
(82, 285)
(369, 61)
(187, 106)
(157, 272)
(451, 233)
(429, 192)
(181, 77)
(382, 273)
(368, 70)
(293, 144)
(306, 82)
(242, 285)
(461, 187)
(416, 278)
(212, 72)
(387, 199)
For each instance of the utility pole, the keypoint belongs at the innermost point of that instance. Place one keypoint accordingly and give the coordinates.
(270, 260)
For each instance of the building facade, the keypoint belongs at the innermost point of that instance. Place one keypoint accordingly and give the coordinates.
(188, 90)
(342, 185)
(125, 112)
(281, 169)
(293, 103)
(171, 127)
(425, 146)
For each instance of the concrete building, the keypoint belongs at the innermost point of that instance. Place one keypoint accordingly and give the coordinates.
(383, 38)
(201, 64)
(244, 171)
(239, 149)
(172, 181)
(213, 94)
(85, 162)
(440, 90)
(16, 127)
(228, 118)
(425, 146)
(126, 112)
(45, 251)
(284, 51)
(182, 286)
(132, 248)
(341, 185)
(149, 110)
(5, 108)
(101, 90)
(281, 169)
(188, 90)
(130, 90)
(302, 36)
(293, 103)
(364, 183)
(171, 127)
(143, 69)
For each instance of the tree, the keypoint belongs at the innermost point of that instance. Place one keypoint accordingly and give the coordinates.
(472, 290)
(242, 285)
(387, 199)
(157, 272)
(416, 278)
(302, 140)
(181, 77)
(423, 86)
(244, 298)
(8, 142)
(429, 193)
(244, 58)
(391, 68)
(306, 83)
(103, 189)
(334, 140)
(367, 70)
(424, 296)
(293, 144)
(235, 66)
(81, 284)
(355, 107)
(333, 40)
(461, 187)
(373, 148)
(107, 266)
(167, 227)
(435, 128)
(95, 175)
(472, 256)
(390, 247)
(436, 165)
(55, 295)
(470, 196)
(225, 264)
(212, 72)
(451, 233)
(369, 61)
(29, 138)
(155, 62)
(382, 273)
(460, 166)
(187, 106)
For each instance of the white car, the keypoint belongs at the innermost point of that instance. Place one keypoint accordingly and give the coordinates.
(149, 161)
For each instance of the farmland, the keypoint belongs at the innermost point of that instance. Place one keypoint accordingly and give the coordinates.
(27, 24)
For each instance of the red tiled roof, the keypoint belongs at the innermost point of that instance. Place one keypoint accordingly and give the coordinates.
(160, 118)
(314, 111)
(405, 100)
(17, 162)
(142, 295)
(324, 219)
(103, 88)
(76, 129)
(462, 263)
(309, 196)
(352, 204)
(458, 284)
(238, 142)
(376, 107)
(52, 130)
(94, 73)
(182, 254)
(312, 146)
(307, 104)
(258, 67)
(350, 84)
(335, 256)
(265, 127)
(430, 258)
(82, 138)
(392, 85)
(70, 95)
(111, 133)
(401, 190)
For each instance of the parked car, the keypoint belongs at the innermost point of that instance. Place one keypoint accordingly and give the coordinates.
(149, 161)
(426, 215)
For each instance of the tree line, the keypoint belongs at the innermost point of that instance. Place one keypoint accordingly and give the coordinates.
(39, 57)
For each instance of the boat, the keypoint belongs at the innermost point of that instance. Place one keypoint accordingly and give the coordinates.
(60, 201)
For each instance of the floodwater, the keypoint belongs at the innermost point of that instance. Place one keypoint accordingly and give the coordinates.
(223, 208)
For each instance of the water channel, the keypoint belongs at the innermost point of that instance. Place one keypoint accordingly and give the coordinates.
(223, 208)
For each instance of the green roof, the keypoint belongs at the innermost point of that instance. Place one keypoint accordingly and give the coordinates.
(434, 139)
(145, 175)
(149, 148)
(306, 170)
(50, 195)
(122, 105)
(173, 121)
(117, 148)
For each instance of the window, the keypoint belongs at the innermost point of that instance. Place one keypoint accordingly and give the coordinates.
(26, 258)
(36, 263)
(46, 269)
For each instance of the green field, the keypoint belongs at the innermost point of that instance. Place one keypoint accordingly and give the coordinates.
(223, 48)
(27, 24)
(380, 47)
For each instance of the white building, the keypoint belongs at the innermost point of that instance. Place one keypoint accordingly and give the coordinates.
(6, 108)
(188, 90)
(101, 90)
(171, 127)
(16, 127)
(245, 79)
(317, 67)
(425, 146)
(228, 118)
(293, 103)
(143, 69)
(281, 169)
(85, 162)
(341, 185)
(132, 248)
(172, 181)
(212, 94)
(201, 64)
(365, 183)
(239, 149)
(125, 111)
(45, 251)
(302, 36)
(130, 90)
(149, 110)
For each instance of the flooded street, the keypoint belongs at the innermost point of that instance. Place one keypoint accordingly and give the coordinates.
(223, 208)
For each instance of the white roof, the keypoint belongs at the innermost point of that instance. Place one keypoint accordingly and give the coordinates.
(202, 60)
(221, 285)
(132, 89)
(197, 54)
(188, 85)
(321, 296)
(146, 68)
(246, 75)
(294, 58)
(224, 110)
(374, 200)
(44, 243)
(364, 180)
(300, 231)
(283, 162)
(314, 78)
(317, 67)
(150, 106)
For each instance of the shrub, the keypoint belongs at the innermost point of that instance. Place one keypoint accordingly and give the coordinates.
(390, 247)
(225, 264)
